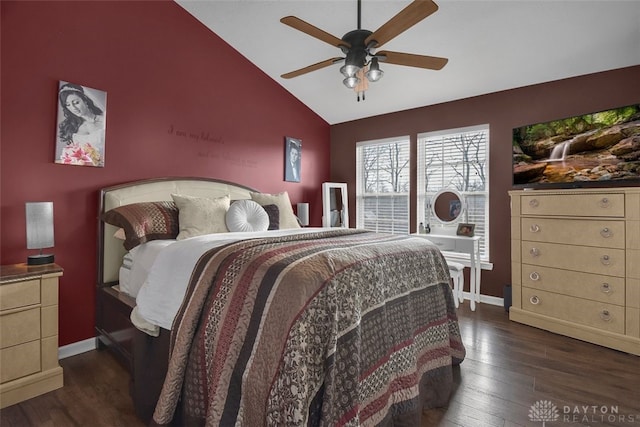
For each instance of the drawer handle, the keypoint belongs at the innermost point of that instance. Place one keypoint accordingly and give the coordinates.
(606, 288)
(606, 316)
(534, 252)
(535, 228)
(534, 276)
(605, 259)
(534, 300)
(604, 203)
(606, 233)
(534, 203)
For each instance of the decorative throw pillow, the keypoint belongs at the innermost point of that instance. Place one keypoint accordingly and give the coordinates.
(287, 218)
(145, 221)
(274, 216)
(198, 216)
(247, 215)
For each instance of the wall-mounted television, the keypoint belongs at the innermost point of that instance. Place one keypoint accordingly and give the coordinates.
(596, 149)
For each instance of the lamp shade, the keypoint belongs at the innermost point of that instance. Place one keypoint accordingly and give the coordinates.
(39, 216)
(303, 213)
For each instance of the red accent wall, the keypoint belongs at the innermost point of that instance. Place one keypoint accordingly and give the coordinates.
(503, 111)
(180, 102)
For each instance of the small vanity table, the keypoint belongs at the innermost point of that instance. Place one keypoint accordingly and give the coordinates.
(447, 209)
(451, 247)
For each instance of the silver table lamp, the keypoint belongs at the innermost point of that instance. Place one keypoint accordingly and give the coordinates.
(39, 231)
(303, 214)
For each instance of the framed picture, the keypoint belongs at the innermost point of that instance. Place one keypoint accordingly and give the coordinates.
(82, 118)
(292, 159)
(465, 229)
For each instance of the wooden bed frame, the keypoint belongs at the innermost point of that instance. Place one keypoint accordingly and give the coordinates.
(145, 357)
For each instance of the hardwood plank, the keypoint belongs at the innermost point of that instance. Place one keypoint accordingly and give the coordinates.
(509, 367)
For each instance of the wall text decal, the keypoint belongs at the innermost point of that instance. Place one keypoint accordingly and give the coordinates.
(195, 136)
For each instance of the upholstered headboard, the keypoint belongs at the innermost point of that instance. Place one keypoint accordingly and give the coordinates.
(110, 249)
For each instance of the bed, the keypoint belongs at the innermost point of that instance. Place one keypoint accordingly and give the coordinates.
(288, 326)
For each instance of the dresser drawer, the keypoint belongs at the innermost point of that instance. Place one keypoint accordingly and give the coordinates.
(603, 205)
(606, 261)
(442, 244)
(602, 234)
(599, 315)
(19, 327)
(608, 289)
(19, 294)
(19, 361)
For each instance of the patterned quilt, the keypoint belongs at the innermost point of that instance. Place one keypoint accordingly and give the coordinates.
(343, 327)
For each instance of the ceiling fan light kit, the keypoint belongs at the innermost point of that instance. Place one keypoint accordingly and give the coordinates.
(351, 82)
(375, 73)
(361, 62)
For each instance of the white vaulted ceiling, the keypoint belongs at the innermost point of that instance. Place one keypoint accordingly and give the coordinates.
(491, 45)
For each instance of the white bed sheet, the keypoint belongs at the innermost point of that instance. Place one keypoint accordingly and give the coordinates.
(137, 264)
(161, 295)
(124, 274)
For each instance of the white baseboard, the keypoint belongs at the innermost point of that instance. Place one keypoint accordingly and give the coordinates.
(76, 348)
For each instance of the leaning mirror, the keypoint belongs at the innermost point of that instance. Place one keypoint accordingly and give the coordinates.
(335, 212)
(448, 205)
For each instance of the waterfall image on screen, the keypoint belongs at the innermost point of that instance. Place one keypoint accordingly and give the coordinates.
(600, 148)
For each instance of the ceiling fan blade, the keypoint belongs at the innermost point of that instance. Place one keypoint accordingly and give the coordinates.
(411, 60)
(310, 68)
(405, 19)
(316, 32)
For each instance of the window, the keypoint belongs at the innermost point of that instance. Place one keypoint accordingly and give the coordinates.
(382, 185)
(456, 158)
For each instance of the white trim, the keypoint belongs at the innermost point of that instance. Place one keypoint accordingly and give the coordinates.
(76, 348)
(466, 129)
(391, 140)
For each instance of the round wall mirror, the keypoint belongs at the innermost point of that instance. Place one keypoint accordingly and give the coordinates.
(448, 205)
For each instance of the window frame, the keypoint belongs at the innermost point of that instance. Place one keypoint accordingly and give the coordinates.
(422, 195)
(403, 224)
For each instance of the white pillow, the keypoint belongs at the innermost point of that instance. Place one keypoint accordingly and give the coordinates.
(287, 218)
(247, 215)
(198, 216)
(119, 234)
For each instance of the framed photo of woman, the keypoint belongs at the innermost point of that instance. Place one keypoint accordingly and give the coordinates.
(82, 119)
(292, 159)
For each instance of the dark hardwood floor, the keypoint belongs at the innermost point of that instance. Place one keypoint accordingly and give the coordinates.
(509, 370)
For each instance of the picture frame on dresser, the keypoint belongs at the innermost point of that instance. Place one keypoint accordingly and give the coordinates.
(465, 229)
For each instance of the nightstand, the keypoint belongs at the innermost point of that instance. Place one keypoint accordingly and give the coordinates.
(28, 332)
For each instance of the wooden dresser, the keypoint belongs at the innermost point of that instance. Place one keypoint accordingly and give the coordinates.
(575, 263)
(28, 332)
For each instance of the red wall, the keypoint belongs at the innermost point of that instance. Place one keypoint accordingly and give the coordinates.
(162, 71)
(502, 111)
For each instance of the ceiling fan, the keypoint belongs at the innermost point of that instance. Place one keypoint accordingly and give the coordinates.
(361, 60)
